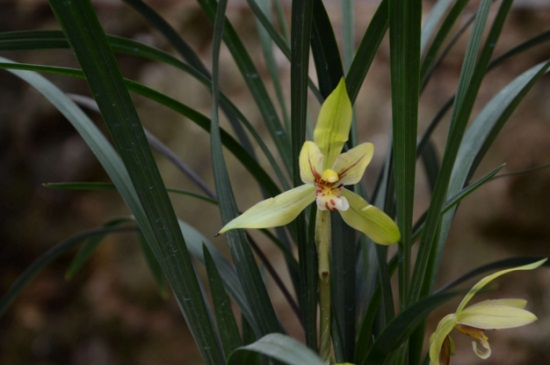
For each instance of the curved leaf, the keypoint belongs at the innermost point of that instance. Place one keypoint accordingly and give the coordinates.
(279, 347)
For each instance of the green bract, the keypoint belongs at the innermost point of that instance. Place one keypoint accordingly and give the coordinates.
(325, 171)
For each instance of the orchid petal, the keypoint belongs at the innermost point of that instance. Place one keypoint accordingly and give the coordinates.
(333, 124)
(311, 162)
(480, 353)
(274, 212)
(370, 220)
(350, 166)
(437, 339)
(486, 280)
(496, 314)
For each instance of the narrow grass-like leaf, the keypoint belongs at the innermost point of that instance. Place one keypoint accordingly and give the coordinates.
(301, 23)
(254, 83)
(467, 90)
(229, 142)
(191, 57)
(279, 41)
(56, 39)
(519, 49)
(430, 160)
(365, 327)
(348, 33)
(51, 255)
(432, 21)
(195, 242)
(438, 11)
(368, 48)
(279, 347)
(324, 49)
(249, 276)
(89, 43)
(483, 131)
(99, 186)
(402, 326)
(158, 146)
(227, 325)
(497, 265)
(405, 25)
(452, 202)
(267, 48)
(154, 267)
(343, 274)
(87, 249)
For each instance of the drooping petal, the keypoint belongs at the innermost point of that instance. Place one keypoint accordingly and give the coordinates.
(333, 124)
(311, 162)
(482, 354)
(350, 166)
(370, 220)
(437, 339)
(479, 336)
(486, 280)
(496, 314)
(274, 212)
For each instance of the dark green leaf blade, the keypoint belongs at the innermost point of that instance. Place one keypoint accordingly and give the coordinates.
(89, 43)
(227, 325)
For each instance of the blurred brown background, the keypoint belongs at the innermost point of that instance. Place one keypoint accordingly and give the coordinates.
(111, 312)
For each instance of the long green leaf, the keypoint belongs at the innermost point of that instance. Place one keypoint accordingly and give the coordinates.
(89, 43)
(254, 83)
(203, 122)
(467, 90)
(301, 23)
(368, 48)
(402, 326)
(227, 325)
(324, 49)
(405, 21)
(483, 131)
(249, 276)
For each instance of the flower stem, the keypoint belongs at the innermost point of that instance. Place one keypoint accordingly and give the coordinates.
(322, 241)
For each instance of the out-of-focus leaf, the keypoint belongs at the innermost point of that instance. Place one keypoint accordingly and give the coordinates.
(87, 249)
(279, 347)
(49, 256)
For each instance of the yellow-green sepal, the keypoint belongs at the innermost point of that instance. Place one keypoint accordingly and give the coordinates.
(370, 220)
(333, 124)
(496, 314)
(276, 211)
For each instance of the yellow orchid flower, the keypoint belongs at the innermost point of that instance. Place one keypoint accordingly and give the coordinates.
(475, 319)
(325, 171)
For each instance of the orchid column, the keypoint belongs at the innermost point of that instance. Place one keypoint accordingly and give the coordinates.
(325, 170)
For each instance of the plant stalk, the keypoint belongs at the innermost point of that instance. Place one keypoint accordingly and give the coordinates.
(322, 241)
